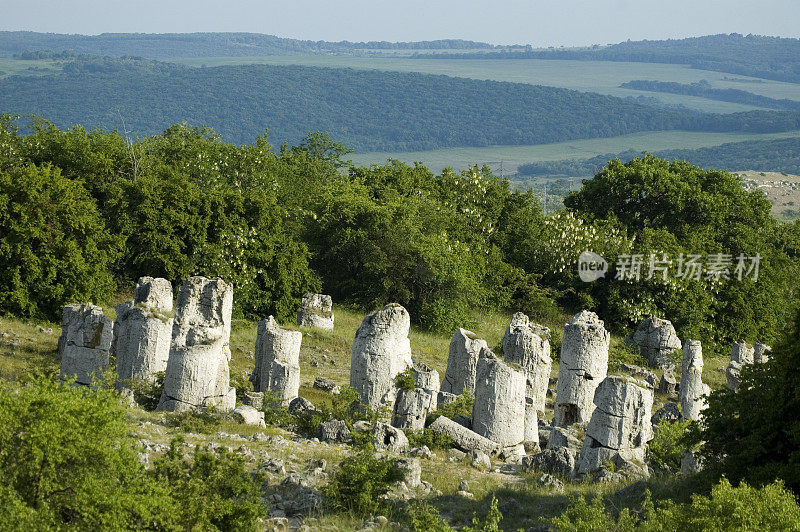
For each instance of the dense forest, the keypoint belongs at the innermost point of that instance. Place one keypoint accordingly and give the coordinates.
(781, 155)
(704, 90)
(758, 56)
(26, 44)
(366, 110)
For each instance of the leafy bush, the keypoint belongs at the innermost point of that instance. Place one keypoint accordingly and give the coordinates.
(204, 421)
(423, 517)
(361, 480)
(405, 380)
(668, 444)
(213, 491)
(728, 508)
(147, 392)
(54, 247)
(66, 460)
(433, 440)
(461, 406)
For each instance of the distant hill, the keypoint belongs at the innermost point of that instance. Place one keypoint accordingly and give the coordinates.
(366, 110)
(167, 45)
(775, 58)
(780, 155)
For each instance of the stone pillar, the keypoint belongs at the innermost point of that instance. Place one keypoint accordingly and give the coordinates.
(656, 340)
(761, 353)
(316, 310)
(143, 331)
(620, 426)
(498, 412)
(528, 345)
(277, 354)
(741, 355)
(459, 377)
(85, 343)
(412, 406)
(197, 373)
(381, 351)
(692, 390)
(584, 363)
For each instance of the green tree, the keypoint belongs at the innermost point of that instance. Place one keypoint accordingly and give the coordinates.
(54, 247)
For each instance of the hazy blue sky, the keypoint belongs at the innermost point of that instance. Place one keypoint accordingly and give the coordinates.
(536, 22)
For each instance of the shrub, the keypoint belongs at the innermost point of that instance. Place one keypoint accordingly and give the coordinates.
(195, 421)
(54, 247)
(422, 517)
(213, 491)
(433, 440)
(461, 406)
(405, 380)
(147, 392)
(361, 480)
(668, 444)
(66, 460)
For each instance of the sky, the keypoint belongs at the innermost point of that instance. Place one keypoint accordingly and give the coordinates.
(535, 22)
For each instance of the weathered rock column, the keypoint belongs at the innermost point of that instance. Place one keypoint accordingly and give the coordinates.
(459, 377)
(316, 310)
(742, 354)
(761, 353)
(692, 390)
(85, 343)
(498, 412)
(584, 364)
(197, 372)
(143, 331)
(412, 406)
(620, 426)
(277, 354)
(656, 339)
(528, 345)
(381, 351)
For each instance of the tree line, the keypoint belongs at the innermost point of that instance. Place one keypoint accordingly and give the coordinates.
(703, 89)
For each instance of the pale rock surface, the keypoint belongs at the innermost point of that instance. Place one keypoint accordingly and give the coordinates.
(249, 415)
(143, 331)
(692, 389)
(528, 345)
(381, 351)
(761, 353)
(656, 340)
(85, 342)
(197, 373)
(316, 310)
(412, 406)
(620, 426)
(462, 361)
(388, 438)
(464, 438)
(742, 353)
(584, 364)
(334, 430)
(498, 412)
(553, 461)
(277, 361)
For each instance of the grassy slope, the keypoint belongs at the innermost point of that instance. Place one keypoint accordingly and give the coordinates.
(513, 156)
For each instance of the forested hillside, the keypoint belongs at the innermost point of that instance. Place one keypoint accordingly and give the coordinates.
(162, 45)
(365, 110)
(781, 155)
(751, 55)
(704, 90)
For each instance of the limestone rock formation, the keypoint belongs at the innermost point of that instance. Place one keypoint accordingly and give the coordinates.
(277, 355)
(143, 331)
(464, 438)
(552, 461)
(381, 351)
(692, 390)
(334, 431)
(584, 364)
(459, 377)
(656, 340)
(761, 353)
(249, 415)
(412, 406)
(620, 426)
(733, 374)
(316, 310)
(85, 342)
(498, 412)
(388, 438)
(197, 373)
(742, 353)
(528, 345)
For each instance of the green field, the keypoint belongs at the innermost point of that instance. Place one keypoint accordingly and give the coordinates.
(11, 67)
(513, 156)
(590, 76)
